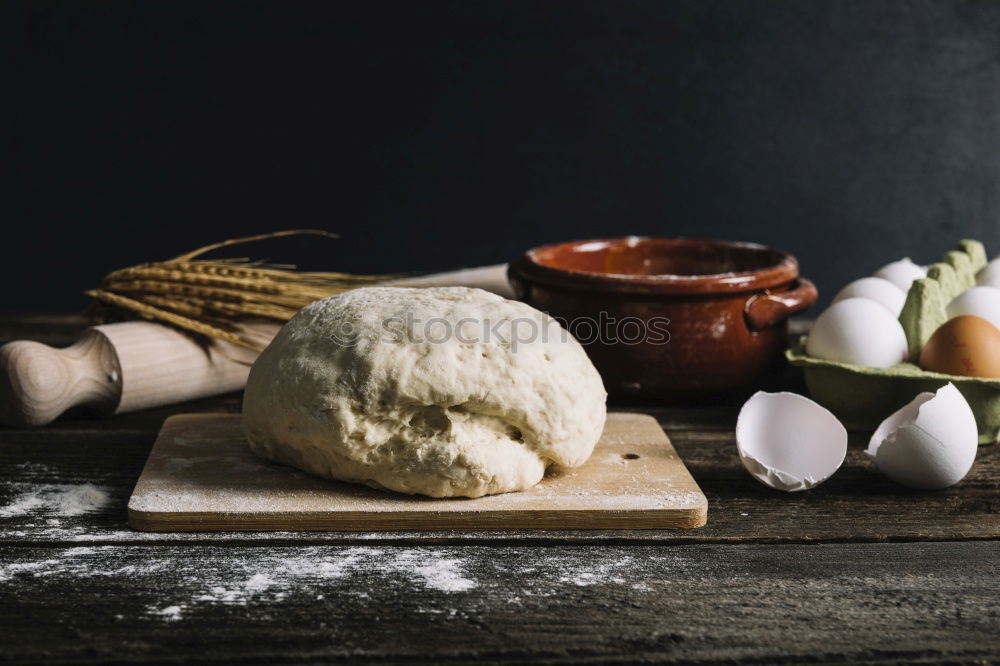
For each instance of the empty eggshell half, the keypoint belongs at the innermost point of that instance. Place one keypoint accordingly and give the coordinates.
(788, 442)
(928, 444)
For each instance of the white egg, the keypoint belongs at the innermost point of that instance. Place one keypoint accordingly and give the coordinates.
(982, 302)
(858, 331)
(902, 273)
(989, 276)
(788, 442)
(930, 443)
(877, 289)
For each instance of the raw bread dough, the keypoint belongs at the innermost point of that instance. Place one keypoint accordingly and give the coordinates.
(370, 387)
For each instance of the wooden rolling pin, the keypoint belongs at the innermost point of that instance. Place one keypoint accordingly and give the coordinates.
(117, 368)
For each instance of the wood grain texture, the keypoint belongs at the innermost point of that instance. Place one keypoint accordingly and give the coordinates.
(202, 476)
(856, 504)
(491, 278)
(117, 368)
(39, 382)
(840, 603)
(858, 570)
(161, 365)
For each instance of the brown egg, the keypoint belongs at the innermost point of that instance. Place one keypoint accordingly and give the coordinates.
(966, 345)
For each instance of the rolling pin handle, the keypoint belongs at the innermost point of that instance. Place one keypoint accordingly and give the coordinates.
(38, 382)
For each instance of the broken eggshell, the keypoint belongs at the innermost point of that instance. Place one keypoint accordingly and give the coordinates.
(788, 442)
(928, 444)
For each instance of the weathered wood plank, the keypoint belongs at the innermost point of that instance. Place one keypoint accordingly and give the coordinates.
(856, 504)
(793, 603)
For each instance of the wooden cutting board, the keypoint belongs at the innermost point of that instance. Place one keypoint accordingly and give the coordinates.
(202, 476)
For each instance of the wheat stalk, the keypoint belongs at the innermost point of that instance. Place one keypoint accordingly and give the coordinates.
(214, 297)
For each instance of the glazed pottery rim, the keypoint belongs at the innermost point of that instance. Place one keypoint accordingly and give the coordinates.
(784, 272)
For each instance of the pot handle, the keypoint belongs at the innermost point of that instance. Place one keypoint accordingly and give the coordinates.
(767, 309)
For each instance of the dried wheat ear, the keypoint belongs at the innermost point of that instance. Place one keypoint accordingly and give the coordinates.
(221, 298)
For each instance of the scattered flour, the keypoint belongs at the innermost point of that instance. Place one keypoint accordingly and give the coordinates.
(53, 498)
(170, 613)
(278, 576)
(437, 573)
(607, 571)
(216, 578)
(80, 561)
(37, 568)
(175, 588)
(79, 550)
(34, 468)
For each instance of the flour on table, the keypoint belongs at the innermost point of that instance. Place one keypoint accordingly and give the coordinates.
(256, 578)
(34, 468)
(609, 571)
(422, 567)
(52, 498)
(170, 613)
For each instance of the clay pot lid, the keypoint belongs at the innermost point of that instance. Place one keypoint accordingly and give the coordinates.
(657, 265)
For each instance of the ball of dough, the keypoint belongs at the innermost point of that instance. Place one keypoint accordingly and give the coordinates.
(442, 392)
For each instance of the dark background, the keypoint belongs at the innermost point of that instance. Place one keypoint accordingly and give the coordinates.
(434, 135)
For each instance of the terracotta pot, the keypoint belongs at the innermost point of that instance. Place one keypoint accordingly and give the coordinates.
(669, 317)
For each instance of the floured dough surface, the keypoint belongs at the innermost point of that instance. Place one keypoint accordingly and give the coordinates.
(443, 392)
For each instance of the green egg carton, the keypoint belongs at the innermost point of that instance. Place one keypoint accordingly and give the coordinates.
(862, 396)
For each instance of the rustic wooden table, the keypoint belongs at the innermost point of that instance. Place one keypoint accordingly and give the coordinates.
(859, 570)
